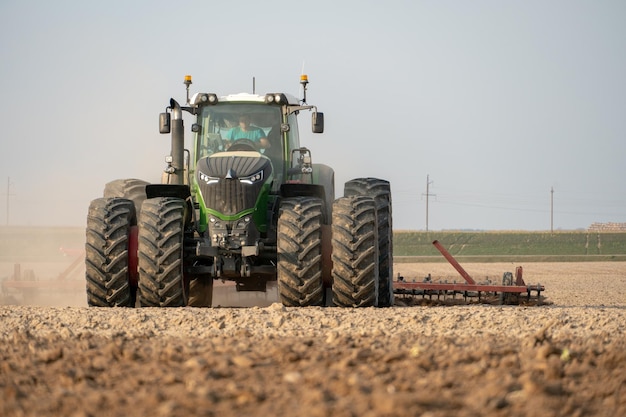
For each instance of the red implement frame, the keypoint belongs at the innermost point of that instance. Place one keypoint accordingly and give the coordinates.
(429, 287)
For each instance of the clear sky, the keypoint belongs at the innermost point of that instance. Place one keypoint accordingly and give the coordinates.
(498, 102)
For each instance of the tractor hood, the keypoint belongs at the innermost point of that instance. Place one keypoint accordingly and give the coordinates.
(230, 182)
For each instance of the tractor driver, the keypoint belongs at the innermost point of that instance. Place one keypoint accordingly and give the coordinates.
(246, 131)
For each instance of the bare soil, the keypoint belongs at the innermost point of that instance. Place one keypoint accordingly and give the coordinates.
(564, 358)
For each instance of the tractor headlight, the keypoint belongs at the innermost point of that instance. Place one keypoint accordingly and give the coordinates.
(207, 179)
(254, 178)
(202, 99)
(275, 98)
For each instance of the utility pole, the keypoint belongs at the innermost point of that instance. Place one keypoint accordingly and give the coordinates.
(551, 210)
(428, 194)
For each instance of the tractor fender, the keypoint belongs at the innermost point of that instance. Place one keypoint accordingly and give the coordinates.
(325, 176)
(172, 190)
(290, 190)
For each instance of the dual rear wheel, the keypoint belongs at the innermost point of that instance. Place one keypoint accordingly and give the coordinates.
(380, 192)
(111, 223)
(355, 252)
(361, 246)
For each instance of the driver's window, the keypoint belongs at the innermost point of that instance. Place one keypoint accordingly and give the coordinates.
(209, 139)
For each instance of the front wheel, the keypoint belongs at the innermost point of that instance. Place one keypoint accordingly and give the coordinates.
(299, 273)
(160, 253)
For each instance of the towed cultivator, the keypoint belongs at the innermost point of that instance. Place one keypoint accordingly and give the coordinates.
(24, 287)
(512, 290)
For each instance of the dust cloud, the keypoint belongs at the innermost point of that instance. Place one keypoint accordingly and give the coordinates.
(42, 266)
(46, 267)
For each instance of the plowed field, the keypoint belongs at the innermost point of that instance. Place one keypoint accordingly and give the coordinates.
(565, 358)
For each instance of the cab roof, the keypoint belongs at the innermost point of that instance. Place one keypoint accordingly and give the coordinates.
(255, 98)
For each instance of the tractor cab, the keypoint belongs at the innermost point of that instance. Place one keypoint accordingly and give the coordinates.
(243, 122)
(264, 123)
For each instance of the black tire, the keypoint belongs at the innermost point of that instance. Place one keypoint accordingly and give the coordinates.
(380, 191)
(131, 189)
(106, 252)
(160, 253)
(355, 253)
(299, 272)
(200, 292)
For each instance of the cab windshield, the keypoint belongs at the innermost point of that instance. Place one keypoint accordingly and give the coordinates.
(220, 126)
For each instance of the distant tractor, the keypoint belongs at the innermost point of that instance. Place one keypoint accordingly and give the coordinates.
(246, 205)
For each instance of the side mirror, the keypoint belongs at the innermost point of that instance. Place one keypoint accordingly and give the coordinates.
(164, 123)
(317, 122)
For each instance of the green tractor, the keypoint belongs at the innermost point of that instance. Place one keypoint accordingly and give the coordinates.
(247, 205)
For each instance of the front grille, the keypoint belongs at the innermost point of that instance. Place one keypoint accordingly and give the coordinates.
(230, 196)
